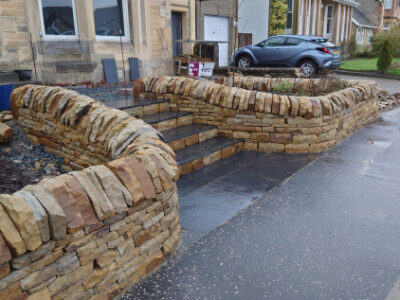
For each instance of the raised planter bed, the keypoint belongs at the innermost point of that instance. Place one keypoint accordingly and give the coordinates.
(246, 108)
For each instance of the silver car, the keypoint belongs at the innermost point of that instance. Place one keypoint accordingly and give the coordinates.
(311, 54)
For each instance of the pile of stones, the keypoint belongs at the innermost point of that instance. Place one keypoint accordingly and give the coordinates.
(388, 101)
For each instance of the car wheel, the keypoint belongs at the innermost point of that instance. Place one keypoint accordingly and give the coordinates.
(307, 68)
(244, 62)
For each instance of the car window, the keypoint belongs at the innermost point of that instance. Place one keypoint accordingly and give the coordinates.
(276, 41)
(322, 42)
(293, 41)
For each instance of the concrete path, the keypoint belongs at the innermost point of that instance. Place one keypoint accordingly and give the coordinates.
(329, 232)
(390, 85)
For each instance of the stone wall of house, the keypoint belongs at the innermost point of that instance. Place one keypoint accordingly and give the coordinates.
(267, 121)
(94, 231)
(15, 51)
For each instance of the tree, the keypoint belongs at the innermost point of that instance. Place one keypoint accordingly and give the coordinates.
(277, 17)
(385, 56)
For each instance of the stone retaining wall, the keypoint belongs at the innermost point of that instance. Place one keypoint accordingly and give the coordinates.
(270, 122)
(309, 86)
(96, 231)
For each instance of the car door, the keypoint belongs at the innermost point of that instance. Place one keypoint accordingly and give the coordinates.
(287, 53)
(266, 52)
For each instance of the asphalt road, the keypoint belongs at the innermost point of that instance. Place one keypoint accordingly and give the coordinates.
(390, 85)
(329, 232)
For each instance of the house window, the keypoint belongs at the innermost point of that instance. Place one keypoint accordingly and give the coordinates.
(386, 26)
(111, 19)
(289, 16)
(360, 36)
(328, 21)
(388, 4)
(58, 18)
(308, 17)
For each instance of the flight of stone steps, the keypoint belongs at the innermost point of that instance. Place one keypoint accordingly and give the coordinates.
(195, 145)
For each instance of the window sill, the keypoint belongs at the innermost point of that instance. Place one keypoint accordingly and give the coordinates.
(50, 38)
(112, 39)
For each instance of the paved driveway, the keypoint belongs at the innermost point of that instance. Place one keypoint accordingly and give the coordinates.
(329, 232)
(390, 85)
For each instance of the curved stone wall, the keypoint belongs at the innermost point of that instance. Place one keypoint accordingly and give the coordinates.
(267, 121)
(96, 230)
(312, 86)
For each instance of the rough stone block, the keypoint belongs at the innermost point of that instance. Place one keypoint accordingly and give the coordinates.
(63, 282)
(11, 234)
(115, 190)
(58, 227)
(24, 220)
(6, 135)
(39, 213)
(102, 205)
(38, 277)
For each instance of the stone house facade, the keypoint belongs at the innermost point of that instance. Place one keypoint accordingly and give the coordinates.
(328, 18)
(391, 15)
(69, 39)
(364, 27)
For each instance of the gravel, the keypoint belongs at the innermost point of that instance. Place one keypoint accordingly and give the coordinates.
(22, 163)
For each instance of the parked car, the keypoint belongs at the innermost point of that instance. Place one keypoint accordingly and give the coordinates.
(311, 54)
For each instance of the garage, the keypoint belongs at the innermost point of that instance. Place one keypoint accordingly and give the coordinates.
(217, 29)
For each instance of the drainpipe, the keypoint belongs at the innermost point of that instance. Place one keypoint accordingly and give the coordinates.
(189, 33)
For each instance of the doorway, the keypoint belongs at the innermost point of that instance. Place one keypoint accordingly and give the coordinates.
(176, 20)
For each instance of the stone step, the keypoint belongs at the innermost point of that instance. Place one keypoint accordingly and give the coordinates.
(138, 107)
(205, 153)
(168, 119)
(184, 136)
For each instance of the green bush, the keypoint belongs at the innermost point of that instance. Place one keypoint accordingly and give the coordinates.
(277, 15)
(283, 87)
(392, 35)
(385, 57)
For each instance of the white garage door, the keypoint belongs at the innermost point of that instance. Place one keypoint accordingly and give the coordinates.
(217, 29)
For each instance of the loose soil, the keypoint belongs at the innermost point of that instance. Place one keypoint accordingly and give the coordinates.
(22, 163)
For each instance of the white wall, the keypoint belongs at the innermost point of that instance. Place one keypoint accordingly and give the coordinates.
(253, 18)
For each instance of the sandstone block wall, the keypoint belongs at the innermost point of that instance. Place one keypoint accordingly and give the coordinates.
(268, 121)
(97, 230)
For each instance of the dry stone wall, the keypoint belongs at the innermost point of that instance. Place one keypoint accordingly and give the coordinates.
(95, 231)
(311, 86)
(267, 121)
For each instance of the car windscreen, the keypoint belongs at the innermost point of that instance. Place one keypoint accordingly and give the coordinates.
(323, 42)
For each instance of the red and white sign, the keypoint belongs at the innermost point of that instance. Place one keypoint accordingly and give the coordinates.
(199, 69)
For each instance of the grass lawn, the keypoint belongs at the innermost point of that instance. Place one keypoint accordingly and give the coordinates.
(367, 64)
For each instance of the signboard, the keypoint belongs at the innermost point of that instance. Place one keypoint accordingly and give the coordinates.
(199, 69)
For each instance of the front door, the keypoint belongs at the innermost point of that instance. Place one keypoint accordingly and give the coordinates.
(176, 20)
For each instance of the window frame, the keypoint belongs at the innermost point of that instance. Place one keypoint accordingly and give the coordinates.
(289, 12)
(54, 37)
(388, 1)
(125, 18)
(326, 20)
